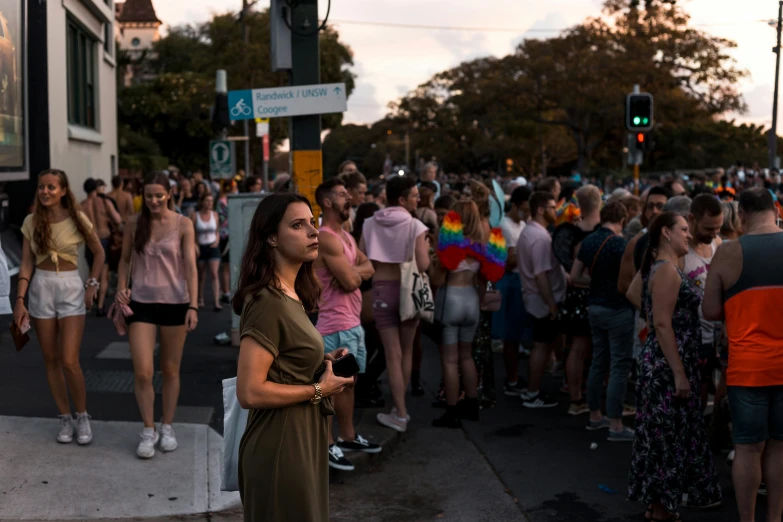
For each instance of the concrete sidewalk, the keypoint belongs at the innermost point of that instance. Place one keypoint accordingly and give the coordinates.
(43, 480)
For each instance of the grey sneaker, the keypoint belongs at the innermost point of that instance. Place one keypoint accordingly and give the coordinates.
(66, 429)
(626, 435)
(83, 430)
(392, 421)
(146, 448)
(597, 425)
(168, 441)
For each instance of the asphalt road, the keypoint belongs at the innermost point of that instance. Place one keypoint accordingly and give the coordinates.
(542, 457)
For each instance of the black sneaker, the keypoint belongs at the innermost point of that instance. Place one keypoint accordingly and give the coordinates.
(538, 400)
(337, 460)
(358, 444)
(515, 390)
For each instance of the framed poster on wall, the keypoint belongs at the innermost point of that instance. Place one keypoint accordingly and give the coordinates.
(13, 85)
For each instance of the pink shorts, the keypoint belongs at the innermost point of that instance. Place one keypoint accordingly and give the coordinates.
(386, 304)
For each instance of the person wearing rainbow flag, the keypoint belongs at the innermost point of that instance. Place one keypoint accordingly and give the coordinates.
(470, 259)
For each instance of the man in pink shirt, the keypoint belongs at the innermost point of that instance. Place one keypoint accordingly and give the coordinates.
(543, 289)
(341, 267)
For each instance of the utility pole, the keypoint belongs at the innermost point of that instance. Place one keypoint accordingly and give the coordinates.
(246, 40)
(305, 131)
(773, 131)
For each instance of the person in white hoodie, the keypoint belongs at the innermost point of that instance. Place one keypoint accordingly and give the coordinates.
(388, 238)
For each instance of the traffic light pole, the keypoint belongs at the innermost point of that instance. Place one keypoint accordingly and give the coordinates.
(773, 131)
(246, 42)
(305, 131)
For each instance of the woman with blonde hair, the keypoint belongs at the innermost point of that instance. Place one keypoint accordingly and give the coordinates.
(461, 254)
(58, 300)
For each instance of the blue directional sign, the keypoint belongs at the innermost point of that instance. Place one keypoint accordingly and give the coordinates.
(283, 102)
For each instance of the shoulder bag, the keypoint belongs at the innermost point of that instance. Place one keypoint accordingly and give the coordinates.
(416, 300)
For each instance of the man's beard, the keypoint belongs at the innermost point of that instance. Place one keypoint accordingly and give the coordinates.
(345, 215)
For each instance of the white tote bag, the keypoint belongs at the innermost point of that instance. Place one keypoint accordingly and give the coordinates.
(234, 423)
(416, 300)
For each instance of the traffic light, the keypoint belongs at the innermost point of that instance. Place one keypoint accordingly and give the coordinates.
(509, 165)
(639, 111)
(641, 142)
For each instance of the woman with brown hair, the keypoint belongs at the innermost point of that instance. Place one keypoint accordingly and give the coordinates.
(283, 456)
(457, 308)
(158, 247)
(206, 222)
(671, 455)
(58, 299)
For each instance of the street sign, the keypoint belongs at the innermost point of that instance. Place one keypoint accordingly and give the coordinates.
(222, 159)
(262, 127)
(282, 102)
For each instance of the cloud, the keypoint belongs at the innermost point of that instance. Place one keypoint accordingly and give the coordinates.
(546, 27)
(462, 46)
(759, 101)
(363, 104)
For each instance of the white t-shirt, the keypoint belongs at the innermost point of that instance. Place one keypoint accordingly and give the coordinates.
(695, 269)
(511, 231)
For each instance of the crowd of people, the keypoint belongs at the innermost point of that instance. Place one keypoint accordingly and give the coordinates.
(649, 306)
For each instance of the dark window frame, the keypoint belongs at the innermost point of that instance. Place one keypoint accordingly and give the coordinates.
(82, 75)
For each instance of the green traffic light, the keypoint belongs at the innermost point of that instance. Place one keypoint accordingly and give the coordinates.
(645, 121)
(637, 120)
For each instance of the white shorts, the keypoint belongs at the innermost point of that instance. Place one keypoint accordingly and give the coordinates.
(54, 295)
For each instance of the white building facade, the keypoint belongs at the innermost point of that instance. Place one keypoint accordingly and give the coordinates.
(68, 82)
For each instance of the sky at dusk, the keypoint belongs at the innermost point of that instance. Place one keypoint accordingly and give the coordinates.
(390, 61)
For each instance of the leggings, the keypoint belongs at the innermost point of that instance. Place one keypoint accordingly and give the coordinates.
(457, 308)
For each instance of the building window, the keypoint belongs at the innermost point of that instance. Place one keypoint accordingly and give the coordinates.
(81, 49)
(135, 42)
(108, 39)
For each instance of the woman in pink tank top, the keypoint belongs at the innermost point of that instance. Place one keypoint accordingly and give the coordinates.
(159, 250)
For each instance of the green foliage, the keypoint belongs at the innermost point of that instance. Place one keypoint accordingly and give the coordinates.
(174, 110)
(559, 101)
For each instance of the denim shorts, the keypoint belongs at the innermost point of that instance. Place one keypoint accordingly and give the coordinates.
(756, 413)
(352, 339)
(511, 323)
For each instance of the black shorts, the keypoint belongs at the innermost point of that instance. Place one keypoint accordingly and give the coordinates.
(106, 244)
(208, 253)
(160, 314)
(223, 249)
(545, 330)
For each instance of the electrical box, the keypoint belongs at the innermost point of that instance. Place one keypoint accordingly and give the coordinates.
(280, 32)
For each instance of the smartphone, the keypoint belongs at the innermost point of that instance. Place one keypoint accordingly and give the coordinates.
(345, 366)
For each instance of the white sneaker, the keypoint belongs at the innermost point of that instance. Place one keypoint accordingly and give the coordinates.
(168, 441)
(146, 449)
(66, 429)
(83, 430)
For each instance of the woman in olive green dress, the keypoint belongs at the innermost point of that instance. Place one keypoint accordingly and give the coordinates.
(283, 455)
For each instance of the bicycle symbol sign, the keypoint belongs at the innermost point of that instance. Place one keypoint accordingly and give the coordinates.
(241, 109)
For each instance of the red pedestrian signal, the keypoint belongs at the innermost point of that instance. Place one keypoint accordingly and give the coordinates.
(640, 138)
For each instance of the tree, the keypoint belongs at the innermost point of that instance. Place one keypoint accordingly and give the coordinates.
(174, 109)
(523, 103)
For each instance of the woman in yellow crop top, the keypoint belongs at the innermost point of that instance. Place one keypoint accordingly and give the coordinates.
(58, 299)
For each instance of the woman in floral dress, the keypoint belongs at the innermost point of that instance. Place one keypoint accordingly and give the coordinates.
(670, 456)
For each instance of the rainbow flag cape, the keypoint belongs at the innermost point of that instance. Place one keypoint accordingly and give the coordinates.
(454, 247)
(568, 211)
